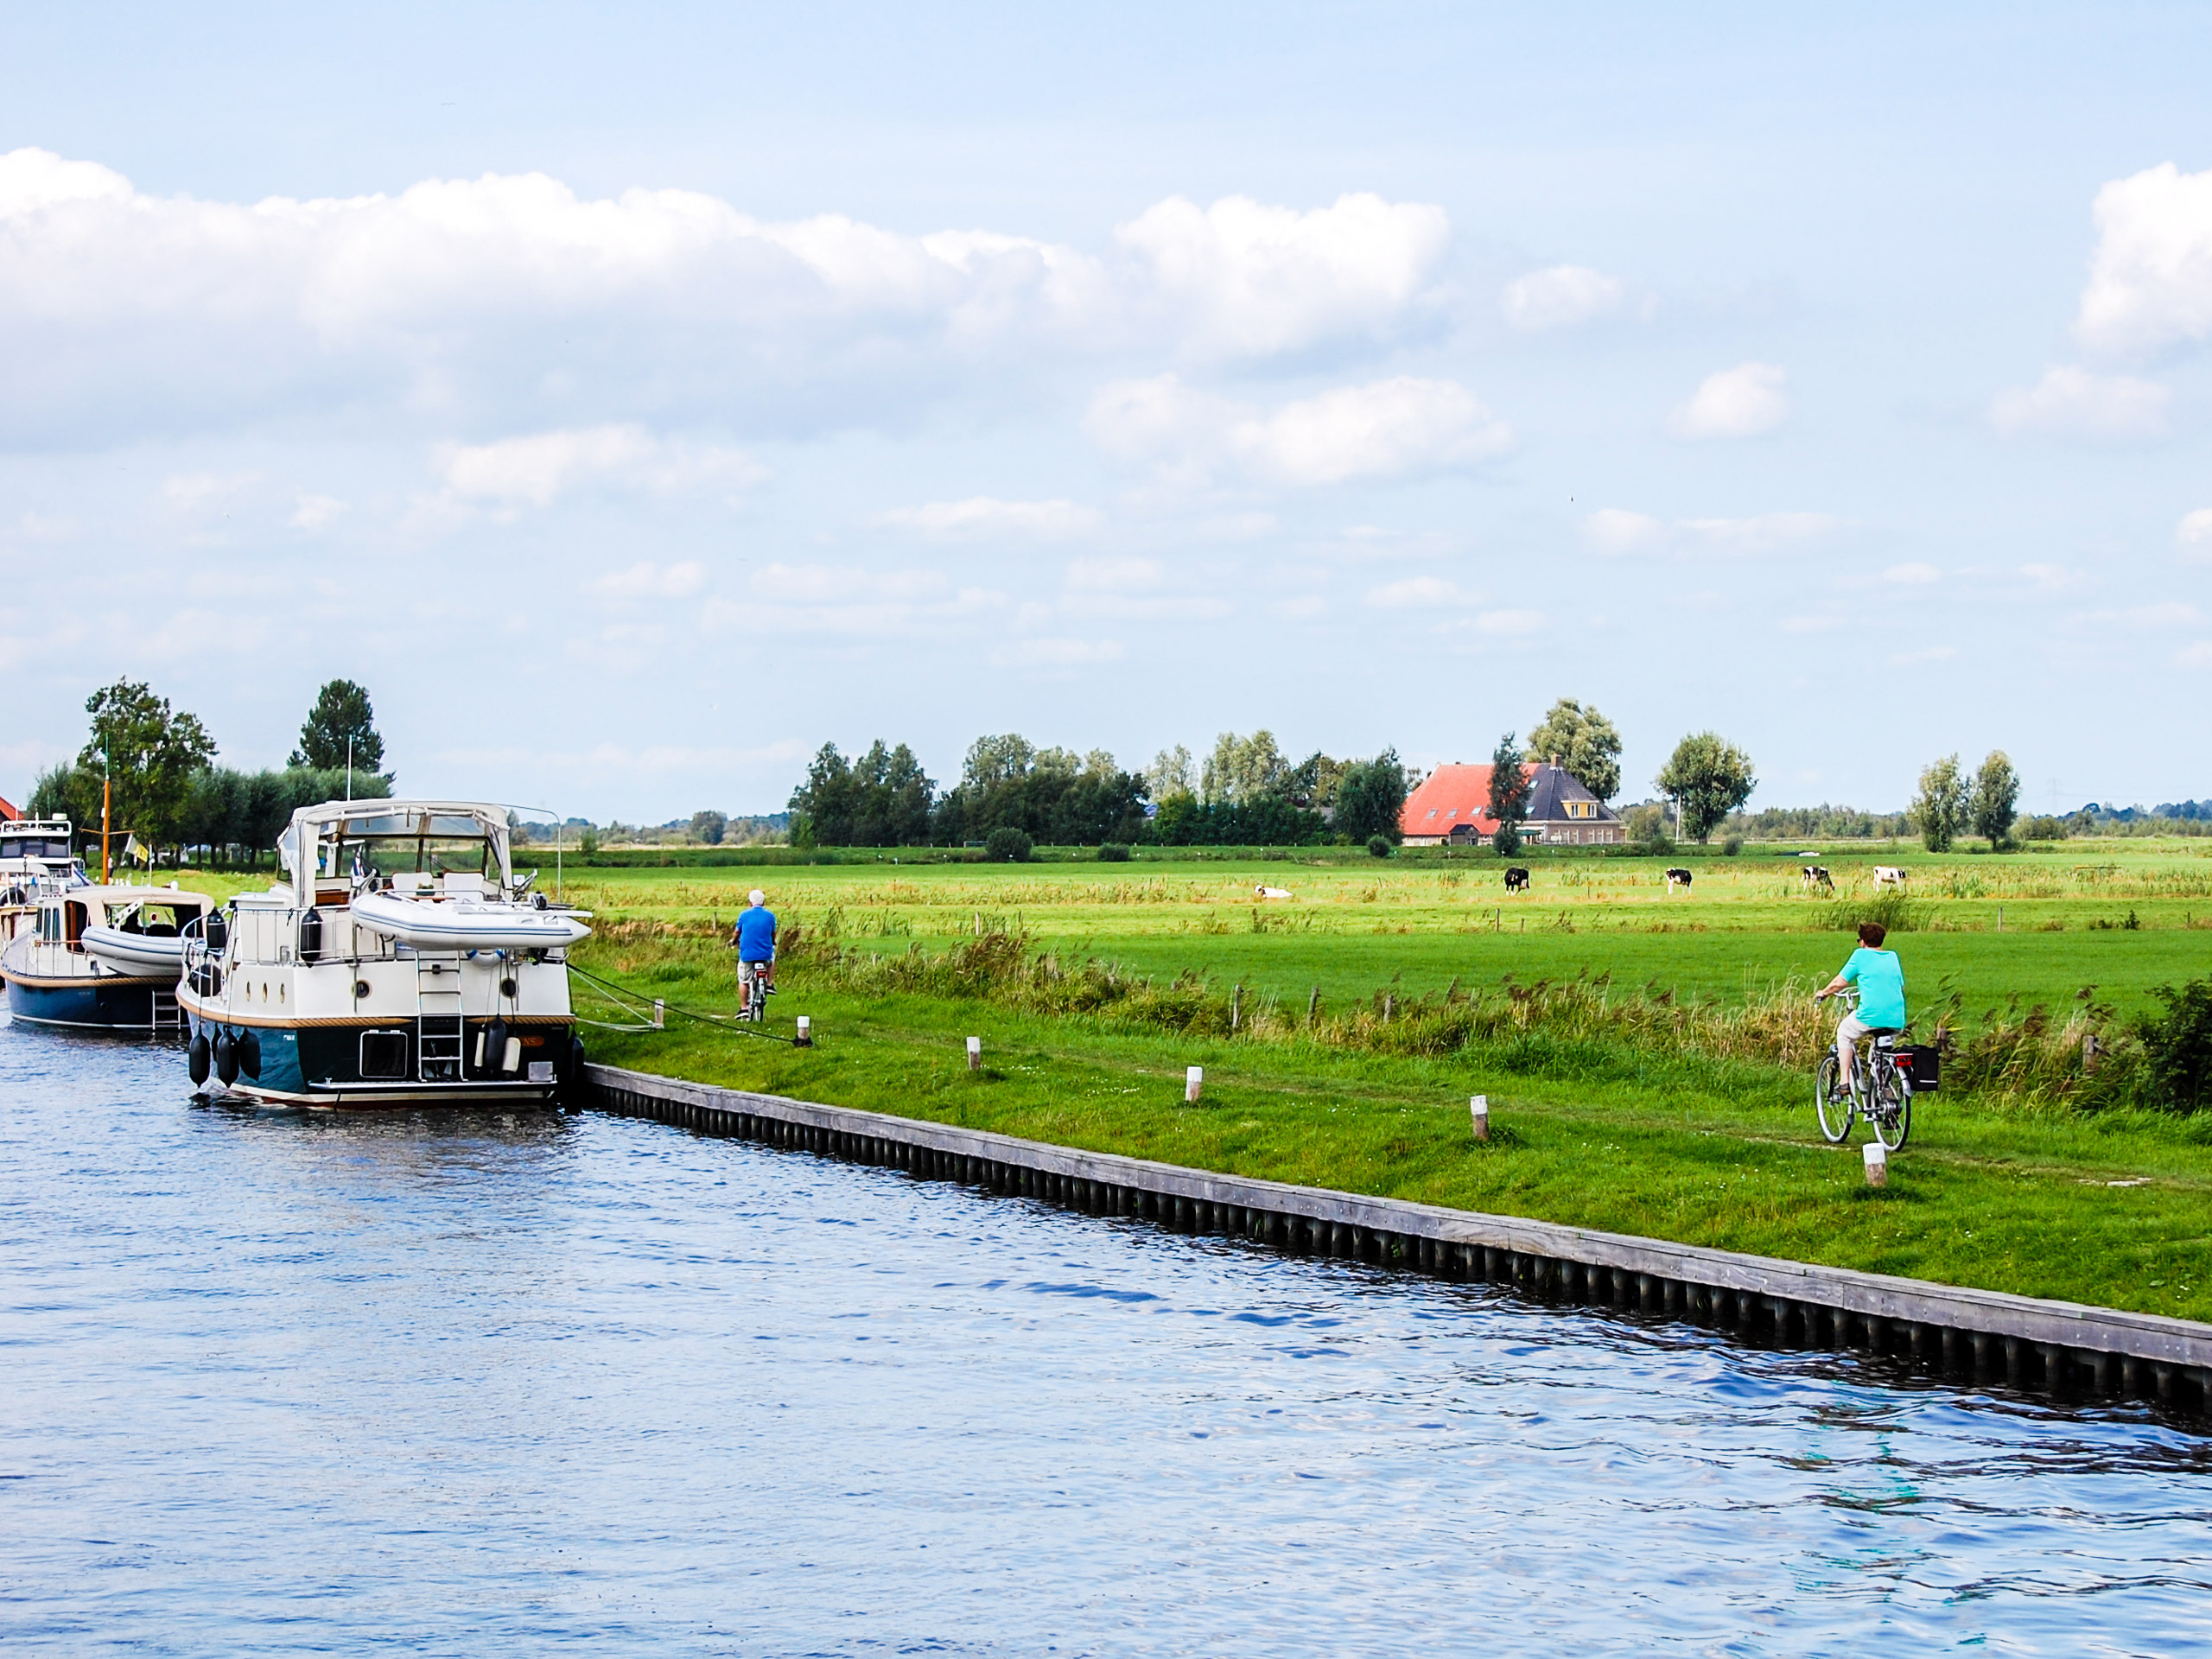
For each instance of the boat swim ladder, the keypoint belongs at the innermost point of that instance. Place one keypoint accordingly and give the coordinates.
(439, 1031)
(165, 1015)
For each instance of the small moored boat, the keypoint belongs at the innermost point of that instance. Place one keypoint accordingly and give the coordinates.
(103, 957)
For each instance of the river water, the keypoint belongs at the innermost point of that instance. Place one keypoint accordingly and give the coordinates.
(475, 1385)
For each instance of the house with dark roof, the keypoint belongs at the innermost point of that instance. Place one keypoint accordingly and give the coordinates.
(1452, 808)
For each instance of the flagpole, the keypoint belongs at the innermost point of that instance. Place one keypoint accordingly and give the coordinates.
(107, 804)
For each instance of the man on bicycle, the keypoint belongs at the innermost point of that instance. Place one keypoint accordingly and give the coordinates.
(1880, 978)
(755, 938)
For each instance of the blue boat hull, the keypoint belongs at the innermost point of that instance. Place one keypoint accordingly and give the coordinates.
(110, 1004)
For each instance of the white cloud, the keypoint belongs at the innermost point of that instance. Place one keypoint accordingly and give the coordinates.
(2193, 534)
(1560, 297)
(1739, 403)
(1058, 653)
(1912, 575)
(1115, 576)
(646, 580)
(2151, 280)
(1257, 280)
(2072, 402)
(315, 511)
(470, 301)
(535, 469)
(983, 516)
(1387, 428)
(1510, 623)
(1419, 593)
(1615, 530)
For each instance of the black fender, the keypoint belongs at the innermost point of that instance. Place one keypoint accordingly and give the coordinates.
(195, 1058)
(227, 1056)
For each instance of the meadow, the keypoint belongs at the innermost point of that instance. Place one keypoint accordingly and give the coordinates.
(1647, 1053)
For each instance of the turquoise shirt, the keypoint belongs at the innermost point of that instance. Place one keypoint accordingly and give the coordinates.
(1880, 978)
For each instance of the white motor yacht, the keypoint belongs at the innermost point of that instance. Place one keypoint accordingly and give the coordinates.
(402, 962)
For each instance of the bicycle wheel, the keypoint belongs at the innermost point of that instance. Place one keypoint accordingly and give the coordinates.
(1892, 1118)
(1832, 1104)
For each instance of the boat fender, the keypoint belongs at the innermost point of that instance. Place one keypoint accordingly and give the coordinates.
(510, 1062)
(227, 1056)
(478, 1061)
(248, 1052)
(218, 930)
(492, 1044)
(195, 1058)
(311, 937)
(507, 988)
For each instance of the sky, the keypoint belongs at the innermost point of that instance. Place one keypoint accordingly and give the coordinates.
(636, 399)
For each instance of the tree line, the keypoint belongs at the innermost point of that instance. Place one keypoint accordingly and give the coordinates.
(152, 767)
(1014, 794)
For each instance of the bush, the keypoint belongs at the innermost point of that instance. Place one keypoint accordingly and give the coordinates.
(1007, 845)
(2178, 1047)
(1113, 852)
(1733, 846)
(1378, 847)
(1505, 841)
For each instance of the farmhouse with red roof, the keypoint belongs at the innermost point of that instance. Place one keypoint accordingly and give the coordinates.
(1452, 808)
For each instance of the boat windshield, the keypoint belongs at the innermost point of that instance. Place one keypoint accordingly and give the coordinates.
(33, 847)
(155, 921)
(431, 854)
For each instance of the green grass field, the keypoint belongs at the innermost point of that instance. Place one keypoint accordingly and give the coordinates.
(2113, 1207)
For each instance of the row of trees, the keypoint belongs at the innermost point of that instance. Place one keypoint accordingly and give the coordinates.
(152, 767)
(1247, 793)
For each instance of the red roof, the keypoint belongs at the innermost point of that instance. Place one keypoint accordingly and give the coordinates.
(8, 812)
(1450, 797)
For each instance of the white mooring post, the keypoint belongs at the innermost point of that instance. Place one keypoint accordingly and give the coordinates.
(975, 1053)
(1194, 1080)
(805, 1038)
(1478, 1110)
(660, 1014)
(1878, 1164)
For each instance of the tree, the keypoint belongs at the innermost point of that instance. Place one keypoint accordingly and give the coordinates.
(341, 716)
(1171, 773)
(1242, 769)
(149, 752)
(1371, 798)
(883, 800)
(1939, 811)
(1052, 795)
(1583, 741)
(1996, 798)
(709, 827)
(1708, 777)
(1509, 784)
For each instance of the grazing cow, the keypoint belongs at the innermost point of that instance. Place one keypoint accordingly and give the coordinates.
(1677, 877)
(1266, 892)
(1888, 875)
(1815, 876)
(1516, 879)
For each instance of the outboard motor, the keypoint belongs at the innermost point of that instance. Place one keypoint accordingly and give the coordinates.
(226, 1057)
(195, 1058)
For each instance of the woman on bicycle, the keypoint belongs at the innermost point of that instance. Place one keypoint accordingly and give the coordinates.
(1880, 978)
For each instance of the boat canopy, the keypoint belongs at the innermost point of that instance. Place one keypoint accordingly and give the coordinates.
(340, 841)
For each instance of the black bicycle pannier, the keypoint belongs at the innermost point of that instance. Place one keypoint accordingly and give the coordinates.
(1927, 1067)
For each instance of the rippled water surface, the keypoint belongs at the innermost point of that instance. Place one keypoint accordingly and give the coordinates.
(488, 1386)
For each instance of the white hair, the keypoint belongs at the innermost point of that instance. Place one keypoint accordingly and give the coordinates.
(757, 896)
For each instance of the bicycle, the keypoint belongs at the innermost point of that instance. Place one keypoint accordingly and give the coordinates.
(1880, 1091)
(752, 990)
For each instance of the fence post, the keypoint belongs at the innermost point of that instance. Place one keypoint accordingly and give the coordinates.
(1478, 1110)
(1194, 1080)
(975, 1053)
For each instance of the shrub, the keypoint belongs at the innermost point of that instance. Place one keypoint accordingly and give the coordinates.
(1506, 841)
(1378, 847)
(1007, 845)
(1733, 846)
(1113, 852)
(2178, 1047)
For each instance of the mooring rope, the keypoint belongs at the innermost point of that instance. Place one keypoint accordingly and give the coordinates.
(719, 1021)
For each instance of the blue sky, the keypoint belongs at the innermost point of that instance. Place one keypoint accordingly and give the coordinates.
(635, 400)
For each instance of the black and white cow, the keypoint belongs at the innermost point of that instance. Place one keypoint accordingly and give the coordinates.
(1516, 879)
(1888, 875)
(1814, 875)
(1677, 877)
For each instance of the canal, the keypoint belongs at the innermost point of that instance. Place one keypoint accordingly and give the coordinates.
(465, 1384)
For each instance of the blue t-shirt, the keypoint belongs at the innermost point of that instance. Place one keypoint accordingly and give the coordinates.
(1880, 978)
(756, 935)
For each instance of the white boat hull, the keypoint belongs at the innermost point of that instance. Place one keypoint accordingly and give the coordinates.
(466, 924)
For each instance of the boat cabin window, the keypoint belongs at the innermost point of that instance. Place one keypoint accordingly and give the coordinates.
(155, 921)
(33, 846)
(72, 923)
(411, 856)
